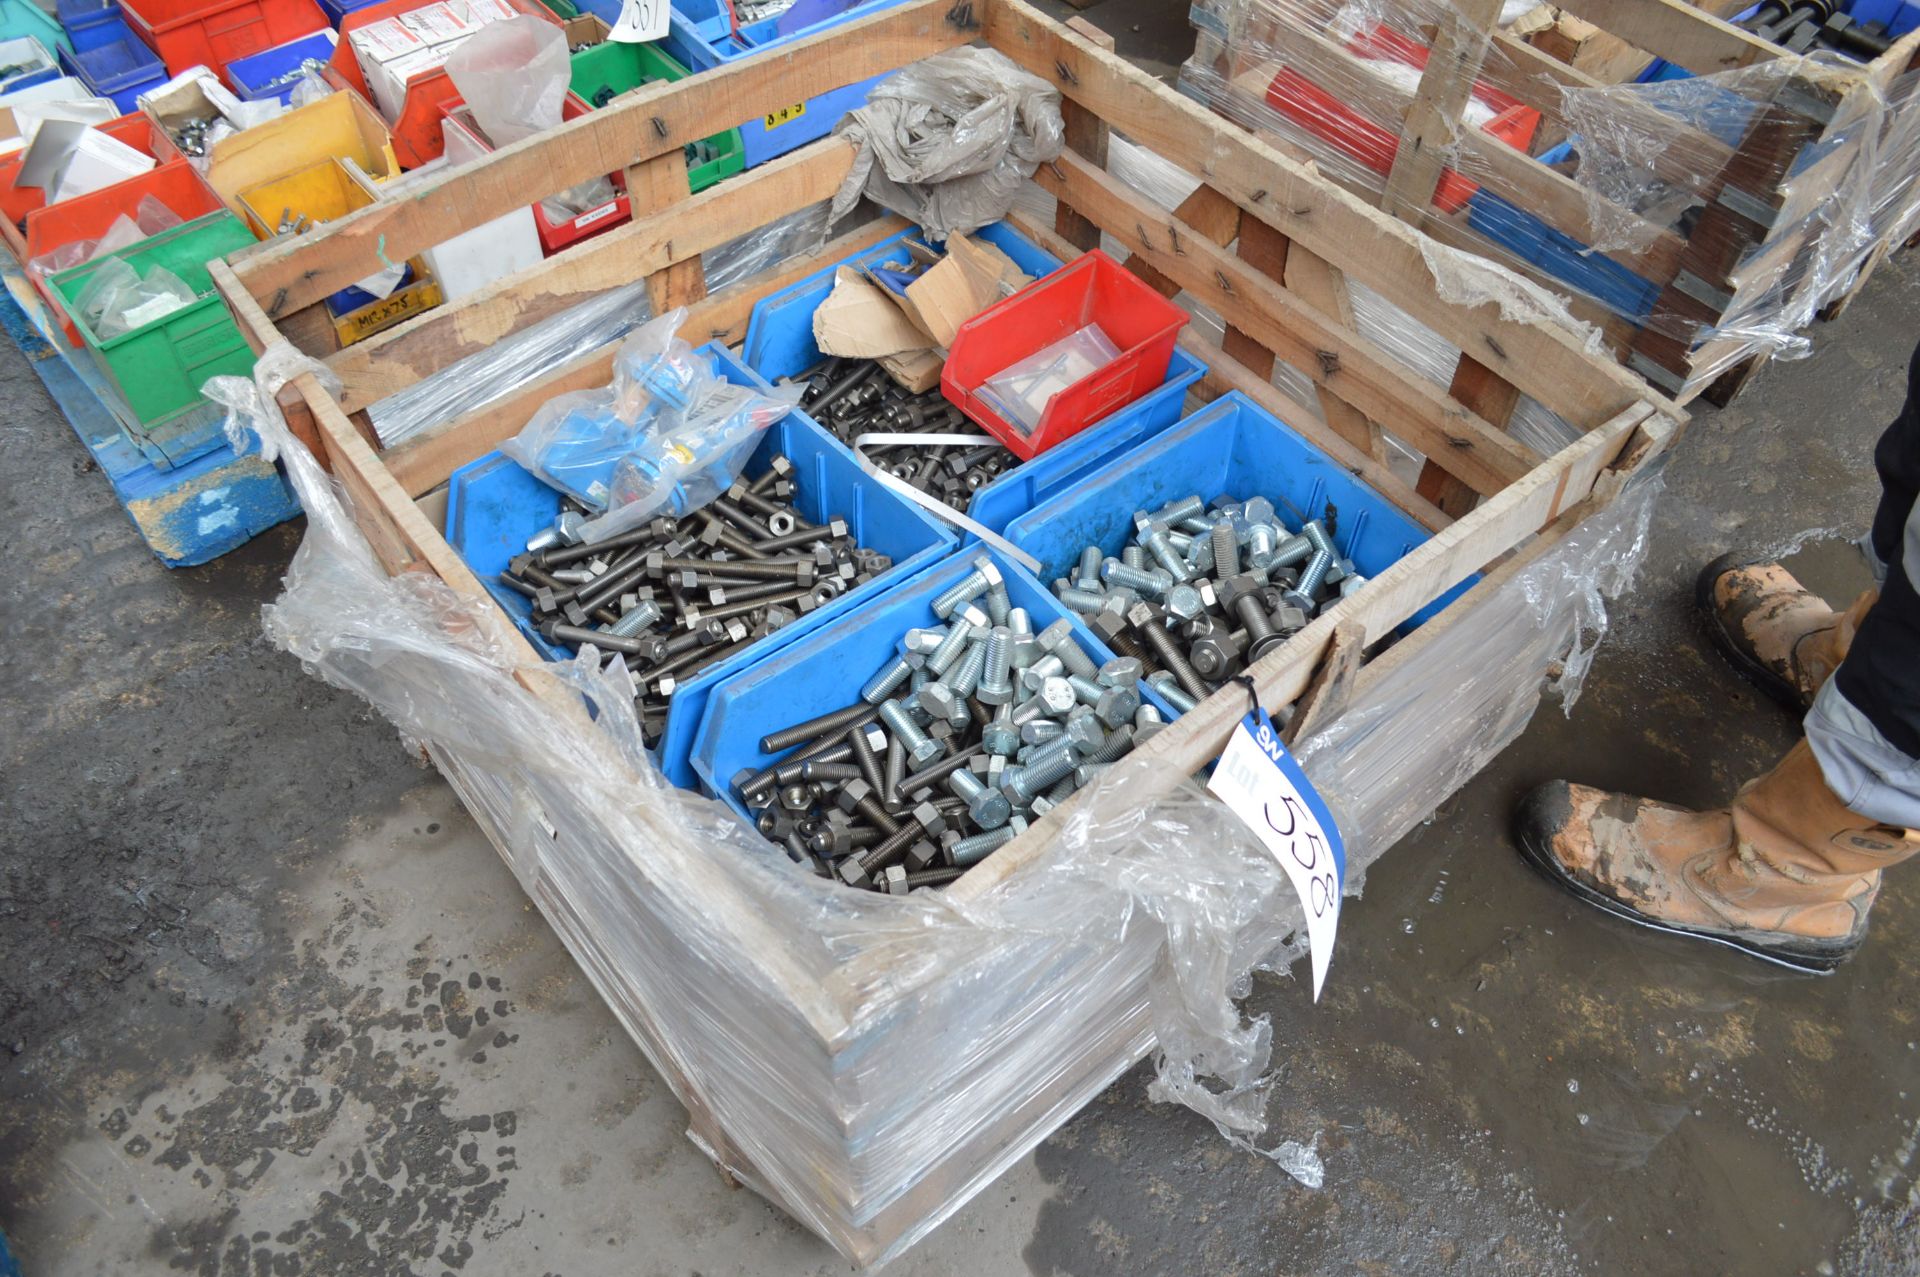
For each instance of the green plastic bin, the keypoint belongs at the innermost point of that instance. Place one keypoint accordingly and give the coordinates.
(161, 366)
(24, 17)
(607, 70)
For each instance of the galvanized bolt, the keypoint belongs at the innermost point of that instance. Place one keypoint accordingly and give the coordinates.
(988, 808)
(921, 748)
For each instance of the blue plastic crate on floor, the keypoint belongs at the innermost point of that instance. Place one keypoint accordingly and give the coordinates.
(780, 344)
(189, 512)
(90, 23)
(494, 506)
(1235, 449)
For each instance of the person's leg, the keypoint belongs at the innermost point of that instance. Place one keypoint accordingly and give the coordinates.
(1784, 638)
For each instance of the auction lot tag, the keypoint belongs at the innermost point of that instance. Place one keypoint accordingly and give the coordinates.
(1262, 784)
(641, 21)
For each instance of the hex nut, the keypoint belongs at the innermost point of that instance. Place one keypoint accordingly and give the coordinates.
(1215, 656)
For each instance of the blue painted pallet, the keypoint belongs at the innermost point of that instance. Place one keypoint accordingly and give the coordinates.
(201, 501)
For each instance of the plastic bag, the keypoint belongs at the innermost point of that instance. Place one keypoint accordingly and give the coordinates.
(1022, 391)
(119, 299)
(513, 75)
(150, 218)
(950, 140)
(675, 426)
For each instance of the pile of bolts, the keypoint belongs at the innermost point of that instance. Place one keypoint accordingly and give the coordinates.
(976, 727)
(674, 596)
(852, 397)
(1198, 593)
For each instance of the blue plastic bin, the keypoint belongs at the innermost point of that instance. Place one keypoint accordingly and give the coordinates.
(701, 36)
(780, 344)
(824, 671)
(121, 69)
(338, 9)
(91, 23)
(493, 506)
(1231, 448)
(256, 77)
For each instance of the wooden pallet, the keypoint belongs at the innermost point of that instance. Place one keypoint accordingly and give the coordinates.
(1755, 225)
(1299, 240)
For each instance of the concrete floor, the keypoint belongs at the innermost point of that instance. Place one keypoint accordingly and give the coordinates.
(270, 1004)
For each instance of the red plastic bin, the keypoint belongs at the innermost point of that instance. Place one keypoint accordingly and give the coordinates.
(212, 33)
(1325, 116)
(16, 201)
(416, 134)
(177, 184)
(1091, 289)
(554, 235)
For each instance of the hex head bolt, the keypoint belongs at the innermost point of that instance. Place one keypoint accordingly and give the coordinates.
(1154, 538)
(856, 798)
(859, 870)
(961, 592)
(888, 681)
(1155, 582)
(1087, 575)
(988, 808)
(1312, 577)
(964, 678)
(1242, 594)
(964, 626)
(971, 851)
(1116, 746)
(1172, 692)
(575, 636)
(1024, 784)
(921, 748)
(1111, 705)
(996, 681)
(936, 877)
(1057, 639)
(1000, 738)
(1085, 602)
(1167, 654)
(814, 728)
(1226, 550)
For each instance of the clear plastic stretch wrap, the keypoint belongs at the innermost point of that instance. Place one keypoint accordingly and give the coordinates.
(1627, 201)
(537, 349)
(870, 1061)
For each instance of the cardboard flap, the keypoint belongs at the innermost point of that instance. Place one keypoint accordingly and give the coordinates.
(860, 321)
(972, 277)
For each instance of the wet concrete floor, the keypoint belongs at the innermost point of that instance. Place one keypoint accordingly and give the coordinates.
(270, 1004)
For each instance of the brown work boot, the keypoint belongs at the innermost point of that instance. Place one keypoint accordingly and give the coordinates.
(1778, 633)
(1787, 874)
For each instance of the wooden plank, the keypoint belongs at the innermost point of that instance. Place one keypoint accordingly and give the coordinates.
(659, 188)
(1265, 250)
(1325, 289)
(1227, 375)
(1432, 124)
(652, 121)
(1677, 32)
(1087, 134)
(423, 463)
(1449, 557)
(1210, 214)
(1544, 361)
(397, 358)
(1342, 362)
(1476, 386)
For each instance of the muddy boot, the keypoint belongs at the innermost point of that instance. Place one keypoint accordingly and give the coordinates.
(1787, 874)
(1783, 637)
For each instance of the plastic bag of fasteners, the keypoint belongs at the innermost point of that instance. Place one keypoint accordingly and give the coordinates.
(665, 432)
(949, 140)
(869, 1062)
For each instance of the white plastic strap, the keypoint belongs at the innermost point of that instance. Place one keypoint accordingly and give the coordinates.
(938, 509)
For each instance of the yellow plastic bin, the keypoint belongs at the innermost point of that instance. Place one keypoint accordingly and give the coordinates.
(339, 126)
(322, 192)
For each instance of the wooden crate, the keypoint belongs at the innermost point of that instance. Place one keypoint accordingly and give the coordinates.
(824, 1023)
(1758, 245)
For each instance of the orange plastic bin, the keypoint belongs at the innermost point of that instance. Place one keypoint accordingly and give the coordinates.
(416, 132)
(186, 33)
(16, 201)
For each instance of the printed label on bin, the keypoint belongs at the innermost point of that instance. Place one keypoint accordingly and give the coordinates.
(785, 115)
(606, 210)
(1260, 782)
(641, 21)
